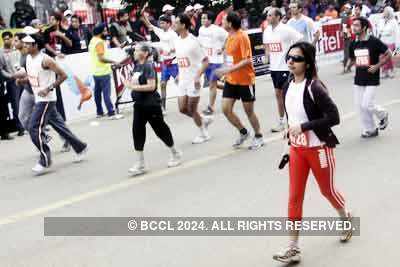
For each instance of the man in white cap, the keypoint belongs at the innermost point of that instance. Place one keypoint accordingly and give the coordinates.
(169, 11)
(41, 72)
(189, 10)
(198, 11)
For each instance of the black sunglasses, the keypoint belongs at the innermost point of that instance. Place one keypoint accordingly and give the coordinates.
(296, 59)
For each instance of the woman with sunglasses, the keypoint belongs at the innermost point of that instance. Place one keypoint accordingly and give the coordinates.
(147, 108)
(311, 113)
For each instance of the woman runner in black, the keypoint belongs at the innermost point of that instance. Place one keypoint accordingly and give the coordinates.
(147, 108)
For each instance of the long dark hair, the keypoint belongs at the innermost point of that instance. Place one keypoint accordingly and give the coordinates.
(309, 53)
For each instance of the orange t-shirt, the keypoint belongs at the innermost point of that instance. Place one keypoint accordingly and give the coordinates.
(238, 48)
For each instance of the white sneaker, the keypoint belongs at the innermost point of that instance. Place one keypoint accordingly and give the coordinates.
(116, 117)
(176, 159)
(137, 169)
(39, 169)
(288, 255)
(201, 139)
(242, 138)
(279, 128)
(81, 156)
(257, 143)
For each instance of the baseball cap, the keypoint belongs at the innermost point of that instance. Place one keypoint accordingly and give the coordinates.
(28, 39)
(198, 6)
(67, 13)
(189, 8)
(167, 7)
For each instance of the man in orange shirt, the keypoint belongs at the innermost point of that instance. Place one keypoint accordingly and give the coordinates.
(239, 80)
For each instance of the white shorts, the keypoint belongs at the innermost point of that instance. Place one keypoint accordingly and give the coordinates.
(188, 90)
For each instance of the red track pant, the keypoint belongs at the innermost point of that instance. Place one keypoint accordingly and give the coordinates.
(321, 161)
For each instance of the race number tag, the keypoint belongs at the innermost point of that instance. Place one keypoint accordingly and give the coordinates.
(275, 47)
(183, 62)
(229, 61)
(362, 57)
(300, 140)
(83, 44)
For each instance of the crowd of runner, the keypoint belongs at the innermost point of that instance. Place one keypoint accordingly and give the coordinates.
(219, 52)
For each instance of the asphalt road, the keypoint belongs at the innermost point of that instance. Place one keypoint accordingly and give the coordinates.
(214, 180)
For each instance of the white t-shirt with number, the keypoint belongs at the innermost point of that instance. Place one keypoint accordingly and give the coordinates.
(166, 45)
(212, 39)
(278, 41)
(297, 115)
(189, 56)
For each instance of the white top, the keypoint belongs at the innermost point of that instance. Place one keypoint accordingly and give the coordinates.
(189, 56)
(167, 39)
(40, 78)
(389, 32)
(278, 42)
(294, 103)
(305, 26)
(212, 39)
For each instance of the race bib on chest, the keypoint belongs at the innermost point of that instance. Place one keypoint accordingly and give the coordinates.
(275, 47)
(229, 61)
(362, 57)
(83, 44)
(301, 140)
(183, 62)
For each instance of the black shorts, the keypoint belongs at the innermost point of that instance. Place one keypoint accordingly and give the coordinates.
(246, 93)
(279, 78)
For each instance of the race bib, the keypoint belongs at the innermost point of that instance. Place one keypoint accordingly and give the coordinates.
(229, 61)
(83, 44)
(275, 47)
(301, 140)
(183, 62)
(362, 57)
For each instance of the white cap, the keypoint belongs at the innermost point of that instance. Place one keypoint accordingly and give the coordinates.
(198, 6)
(30, 30)
(68, 13)
(189, 8)
(28, 39)
(347, 6)
(167, 7)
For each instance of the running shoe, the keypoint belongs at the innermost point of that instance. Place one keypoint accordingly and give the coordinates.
(137, 169)
(279, 128)
(208, 111)
(384, 122)
(202, 138)
(176, 159)
(347, 234)
(39, 169)
(257, 143)
(369, 134)
(288, 255)
(81, 156)
(242, 138)
(48, 138)
(116, 117)
(65, 148)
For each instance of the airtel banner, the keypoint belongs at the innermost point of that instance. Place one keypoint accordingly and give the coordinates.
(331, 37)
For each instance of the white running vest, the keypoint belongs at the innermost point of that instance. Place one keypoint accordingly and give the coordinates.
(40, 78)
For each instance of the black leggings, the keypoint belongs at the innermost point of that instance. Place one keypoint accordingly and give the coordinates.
(153, 115)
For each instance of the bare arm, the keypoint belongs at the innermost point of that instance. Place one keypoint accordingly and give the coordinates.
(51, 64)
